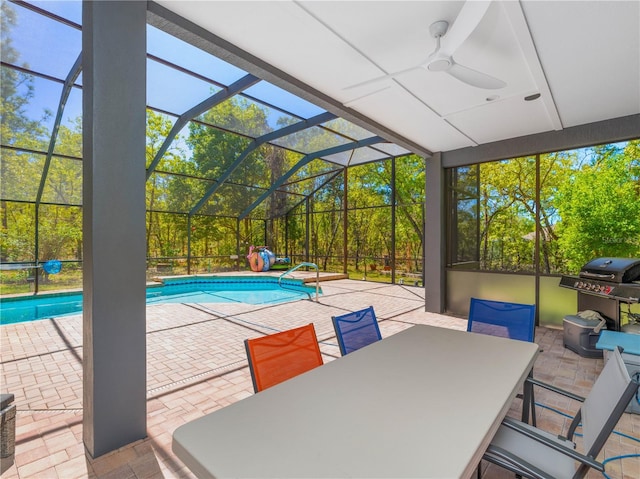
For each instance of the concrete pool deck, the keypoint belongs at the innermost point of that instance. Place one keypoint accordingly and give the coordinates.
(197, 364)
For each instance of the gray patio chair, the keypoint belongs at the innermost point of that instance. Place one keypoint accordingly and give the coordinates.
(533, 453)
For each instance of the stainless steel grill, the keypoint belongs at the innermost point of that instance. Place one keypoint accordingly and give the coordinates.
(603, 284)
(615, 270)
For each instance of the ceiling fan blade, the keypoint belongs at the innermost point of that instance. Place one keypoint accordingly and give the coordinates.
(475, 78)
(466, 22)
(382, 78)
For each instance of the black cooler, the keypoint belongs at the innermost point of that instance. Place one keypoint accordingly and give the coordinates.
(582, 334)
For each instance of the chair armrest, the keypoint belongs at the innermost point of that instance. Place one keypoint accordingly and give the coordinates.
(505, 459)
(555, 389)
(572, 453)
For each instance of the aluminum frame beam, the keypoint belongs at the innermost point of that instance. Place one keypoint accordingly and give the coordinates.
(224, 94)
(306, 159)
(288, 130)
(331, 177)
(64, 96)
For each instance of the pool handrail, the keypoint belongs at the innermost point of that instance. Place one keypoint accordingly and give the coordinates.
(310, 265)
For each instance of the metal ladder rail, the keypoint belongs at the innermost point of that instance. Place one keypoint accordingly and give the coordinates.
(311, 265)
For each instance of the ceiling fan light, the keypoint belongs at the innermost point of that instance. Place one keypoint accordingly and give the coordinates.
(439, 65)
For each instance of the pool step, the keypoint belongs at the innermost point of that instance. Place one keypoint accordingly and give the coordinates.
(326, 277)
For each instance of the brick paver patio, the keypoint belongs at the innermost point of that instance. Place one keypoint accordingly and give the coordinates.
(197, 364)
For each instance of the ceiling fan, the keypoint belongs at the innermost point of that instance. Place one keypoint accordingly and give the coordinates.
(448, 40)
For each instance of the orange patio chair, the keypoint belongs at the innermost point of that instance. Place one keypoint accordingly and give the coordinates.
(277, 357)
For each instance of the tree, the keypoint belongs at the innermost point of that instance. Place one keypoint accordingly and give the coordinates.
(600, 207)
(59, 229)
(214, 151)
(14, 128)
(60, 215)
(507, 214)
(16, 91)
(410, 197)
(555, 171)
(160, 227)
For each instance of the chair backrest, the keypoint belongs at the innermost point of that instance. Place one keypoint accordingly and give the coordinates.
(277, 357)
(497, 318)
(356, 330)
(606, 402)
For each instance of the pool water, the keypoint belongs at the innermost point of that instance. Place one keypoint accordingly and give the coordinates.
(228, 290)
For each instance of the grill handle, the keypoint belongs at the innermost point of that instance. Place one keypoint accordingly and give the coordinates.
(586, 274)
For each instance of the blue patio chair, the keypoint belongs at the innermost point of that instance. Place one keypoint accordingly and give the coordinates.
(507, 320)
(356, 330)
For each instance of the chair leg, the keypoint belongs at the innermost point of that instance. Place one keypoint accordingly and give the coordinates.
(525, 406)
(532, 402)
(528, 402)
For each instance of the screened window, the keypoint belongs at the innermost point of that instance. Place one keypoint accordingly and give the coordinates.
(562, 209)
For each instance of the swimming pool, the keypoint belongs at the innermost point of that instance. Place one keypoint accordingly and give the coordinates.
(248, 290)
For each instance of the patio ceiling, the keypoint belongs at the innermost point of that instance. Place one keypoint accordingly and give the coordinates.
(582, 57)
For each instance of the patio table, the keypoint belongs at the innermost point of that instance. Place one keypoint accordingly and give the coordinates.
(422, 403)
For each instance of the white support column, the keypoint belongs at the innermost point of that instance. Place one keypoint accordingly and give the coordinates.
(114, 122)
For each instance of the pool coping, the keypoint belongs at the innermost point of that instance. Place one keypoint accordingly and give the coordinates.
(291, 284)
(163, 281)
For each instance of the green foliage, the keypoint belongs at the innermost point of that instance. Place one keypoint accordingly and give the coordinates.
(589, 206)
(600, 207)
(507, 214)
(463, 206)
(214, 151)
(56, 224)
(16, 91)
(17, 236)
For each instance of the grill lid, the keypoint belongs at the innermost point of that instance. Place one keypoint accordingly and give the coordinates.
(616, 270)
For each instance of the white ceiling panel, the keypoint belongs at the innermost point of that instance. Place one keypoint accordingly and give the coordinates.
(404, 112)
(590, 52)
(511, 118)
